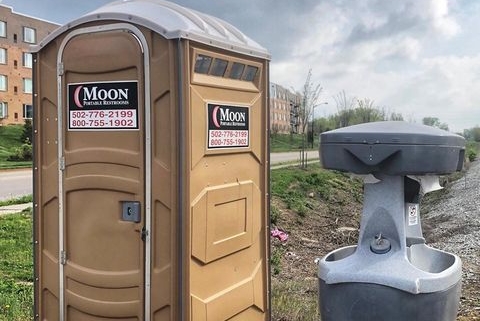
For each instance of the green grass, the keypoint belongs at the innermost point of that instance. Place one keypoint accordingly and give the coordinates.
(289, 143)
(16, 267)
(293, 185)
(18, 200)
(292, 300)
(10, 138)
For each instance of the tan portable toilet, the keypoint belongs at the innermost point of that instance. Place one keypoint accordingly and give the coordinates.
(151, 168)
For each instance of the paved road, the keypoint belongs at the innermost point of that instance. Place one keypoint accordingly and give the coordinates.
(19, 182)
(15, 183)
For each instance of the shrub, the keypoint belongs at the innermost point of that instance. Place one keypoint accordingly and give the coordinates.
(471, 154)
(22, 153)
(27, 132)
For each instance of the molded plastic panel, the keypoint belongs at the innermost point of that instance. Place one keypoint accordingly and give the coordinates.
(393, 148)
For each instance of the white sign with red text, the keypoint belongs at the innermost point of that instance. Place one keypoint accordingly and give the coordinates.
(228, 126)
(103, 106)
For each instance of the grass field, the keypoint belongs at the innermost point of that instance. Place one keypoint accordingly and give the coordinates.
(10, 138)
(288, 143)
(16, 267)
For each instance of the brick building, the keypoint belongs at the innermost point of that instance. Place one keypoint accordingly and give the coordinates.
(283, 110)
(17, 33)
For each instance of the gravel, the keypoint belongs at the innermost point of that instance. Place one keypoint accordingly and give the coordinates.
(452, 223)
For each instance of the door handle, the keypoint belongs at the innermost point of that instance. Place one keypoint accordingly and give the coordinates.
(131, 211)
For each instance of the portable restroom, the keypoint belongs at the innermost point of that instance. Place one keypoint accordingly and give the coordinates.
(151, 168)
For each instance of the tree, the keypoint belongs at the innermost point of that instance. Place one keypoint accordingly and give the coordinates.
(324, 124)
(396, 116)
(431, 121)
(275, 129)
(310, 94)
(344, 107)
(472, 134)
(366, 112)
(434, 122)
(476, 133)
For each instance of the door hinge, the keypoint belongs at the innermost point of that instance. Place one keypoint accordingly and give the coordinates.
(62, 163)
(60, 69)
(63, 257)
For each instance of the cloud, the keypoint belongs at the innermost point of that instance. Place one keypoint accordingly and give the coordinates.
(417, 57)
(380, 19)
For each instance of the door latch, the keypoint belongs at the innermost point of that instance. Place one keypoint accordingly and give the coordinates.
(144, 234)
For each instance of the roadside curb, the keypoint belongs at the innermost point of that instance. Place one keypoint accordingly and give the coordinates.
(11, 209)
(292, 164)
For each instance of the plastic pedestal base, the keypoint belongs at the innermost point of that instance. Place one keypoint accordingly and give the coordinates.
(373, 302)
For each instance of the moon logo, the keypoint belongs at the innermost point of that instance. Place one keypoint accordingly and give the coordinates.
(214, 116)
(76, 97)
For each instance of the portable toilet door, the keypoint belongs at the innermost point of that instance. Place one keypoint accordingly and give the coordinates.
(92, 146)
(141, 212)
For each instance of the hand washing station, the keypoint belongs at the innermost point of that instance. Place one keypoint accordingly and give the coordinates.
(391, 274)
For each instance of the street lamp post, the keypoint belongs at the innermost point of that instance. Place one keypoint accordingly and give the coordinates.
(313, 119)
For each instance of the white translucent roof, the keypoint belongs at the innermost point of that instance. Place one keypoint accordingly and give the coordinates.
(172, 21)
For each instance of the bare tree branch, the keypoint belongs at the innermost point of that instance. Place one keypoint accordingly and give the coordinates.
(311, 93)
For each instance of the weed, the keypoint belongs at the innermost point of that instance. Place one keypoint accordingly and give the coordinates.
(16, 301)
(276, 259)
(295, 187)
(274, 214)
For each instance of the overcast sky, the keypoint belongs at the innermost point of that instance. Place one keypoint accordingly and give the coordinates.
(420, 58)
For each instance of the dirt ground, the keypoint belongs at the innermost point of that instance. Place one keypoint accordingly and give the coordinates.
(335, 223)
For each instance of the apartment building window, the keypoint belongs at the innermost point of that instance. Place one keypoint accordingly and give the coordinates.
(27, 111)
(27, 85)
(3, 83)
(3, 29)
(27, 60)
(29, 35)
(3, 110)
(3, 56)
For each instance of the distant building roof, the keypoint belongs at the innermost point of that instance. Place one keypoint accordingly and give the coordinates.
(173, 22)
(26, 15)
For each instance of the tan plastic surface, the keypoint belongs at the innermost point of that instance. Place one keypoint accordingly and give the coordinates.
(224, 245)
(228, 268)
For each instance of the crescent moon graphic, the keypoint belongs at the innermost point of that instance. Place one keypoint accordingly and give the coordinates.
(76, 97)
(214, 116)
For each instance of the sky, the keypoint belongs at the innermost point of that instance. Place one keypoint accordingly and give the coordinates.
(420, 58)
